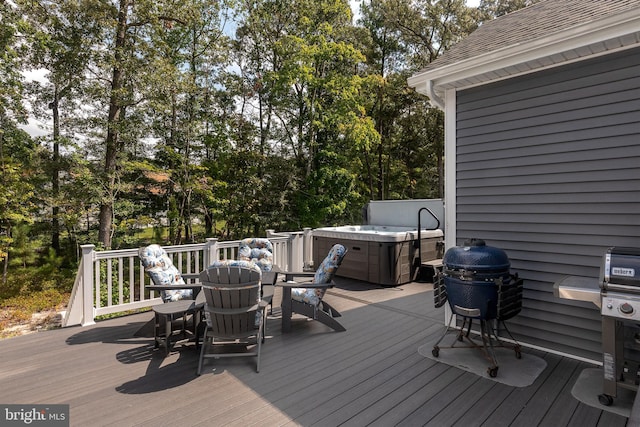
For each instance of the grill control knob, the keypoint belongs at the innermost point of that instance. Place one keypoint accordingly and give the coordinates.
(626, 308)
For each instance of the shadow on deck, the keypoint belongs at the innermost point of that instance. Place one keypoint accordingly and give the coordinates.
(372, 374)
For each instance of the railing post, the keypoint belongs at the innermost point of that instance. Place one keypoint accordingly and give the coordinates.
(87, 285)
(307, 248)
(210, 251)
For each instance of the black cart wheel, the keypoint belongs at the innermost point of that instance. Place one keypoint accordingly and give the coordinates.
(518, 354)
(605, 399)
(492, 371)
(435, 351)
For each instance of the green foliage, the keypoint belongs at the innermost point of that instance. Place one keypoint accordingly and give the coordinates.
(36, 301)
(11, 50)
(44, 271)
(495, 8)
(171, 124)
(19, 310)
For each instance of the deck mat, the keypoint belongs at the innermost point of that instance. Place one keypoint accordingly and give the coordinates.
(589, 385)
(511, 370)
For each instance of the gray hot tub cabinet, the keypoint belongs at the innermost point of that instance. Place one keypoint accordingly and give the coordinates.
(384, 263)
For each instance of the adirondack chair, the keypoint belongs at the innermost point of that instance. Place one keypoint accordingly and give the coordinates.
(160, 268)
(308, 300)
(233, 310)
(176, 295)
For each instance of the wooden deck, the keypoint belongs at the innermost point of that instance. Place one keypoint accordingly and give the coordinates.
(372, 374)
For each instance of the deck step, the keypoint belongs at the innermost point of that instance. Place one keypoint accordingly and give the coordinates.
(434, 263)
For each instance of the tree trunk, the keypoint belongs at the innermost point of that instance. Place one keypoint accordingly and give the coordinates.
(5, 269)
(55, 178)
(105, 232)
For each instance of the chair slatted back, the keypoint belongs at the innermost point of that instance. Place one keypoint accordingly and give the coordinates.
(232, 294)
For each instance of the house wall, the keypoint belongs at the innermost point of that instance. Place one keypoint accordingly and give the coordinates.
(548, 169)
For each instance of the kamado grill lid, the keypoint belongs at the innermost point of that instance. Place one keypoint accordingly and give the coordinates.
(475, 255)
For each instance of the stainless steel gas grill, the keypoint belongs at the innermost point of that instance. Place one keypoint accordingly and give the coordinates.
(620, 308)
(478, 285)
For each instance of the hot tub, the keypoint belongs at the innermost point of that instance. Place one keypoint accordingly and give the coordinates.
(379, 254)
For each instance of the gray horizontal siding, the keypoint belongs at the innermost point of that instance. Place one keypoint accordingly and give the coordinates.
(548, 169)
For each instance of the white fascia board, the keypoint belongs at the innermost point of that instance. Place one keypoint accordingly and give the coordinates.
(450, 208)
(450, 184)
(573, 38)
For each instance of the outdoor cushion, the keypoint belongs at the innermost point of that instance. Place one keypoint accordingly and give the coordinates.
(236, 263)
(324, 274)
(258, 250)
(160, 268)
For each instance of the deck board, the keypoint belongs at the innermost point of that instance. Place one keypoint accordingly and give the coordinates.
(372, 374)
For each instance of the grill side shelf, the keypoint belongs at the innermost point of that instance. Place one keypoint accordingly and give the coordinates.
(578, 288)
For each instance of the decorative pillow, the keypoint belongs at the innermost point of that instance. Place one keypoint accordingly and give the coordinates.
(160, 268)
(258, 250)
(324, 274)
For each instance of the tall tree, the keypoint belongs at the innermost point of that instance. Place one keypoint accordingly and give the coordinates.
(311, 92)
(60, 40)
(15, 145)
(385, 52)
(193, 56)
(130, 55)
(419, 32)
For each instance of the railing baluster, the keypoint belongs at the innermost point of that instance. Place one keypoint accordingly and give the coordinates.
(86, 301)
(96, 271)
(132, 288)
(120, 280)
(142, 275)
(109, 282)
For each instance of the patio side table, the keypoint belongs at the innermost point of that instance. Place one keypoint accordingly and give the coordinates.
(166, 313)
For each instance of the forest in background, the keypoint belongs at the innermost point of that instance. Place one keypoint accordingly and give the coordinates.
(170, 121)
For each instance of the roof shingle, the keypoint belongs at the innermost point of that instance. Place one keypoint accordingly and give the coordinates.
(531, 23)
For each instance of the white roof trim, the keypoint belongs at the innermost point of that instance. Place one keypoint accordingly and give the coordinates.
(587, 40)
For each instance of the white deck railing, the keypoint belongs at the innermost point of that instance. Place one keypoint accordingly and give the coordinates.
(114, 281)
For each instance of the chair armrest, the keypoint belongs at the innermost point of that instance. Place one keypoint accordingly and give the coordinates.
(190, 276)
(306, 285)
(289, 275)
(194, 286)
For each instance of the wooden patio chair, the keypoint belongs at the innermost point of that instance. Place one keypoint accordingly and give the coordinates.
(233, 311)
(180, 308)
(306, 298)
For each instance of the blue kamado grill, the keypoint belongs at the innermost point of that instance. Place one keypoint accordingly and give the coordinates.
(477, 282)
(472, 276)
